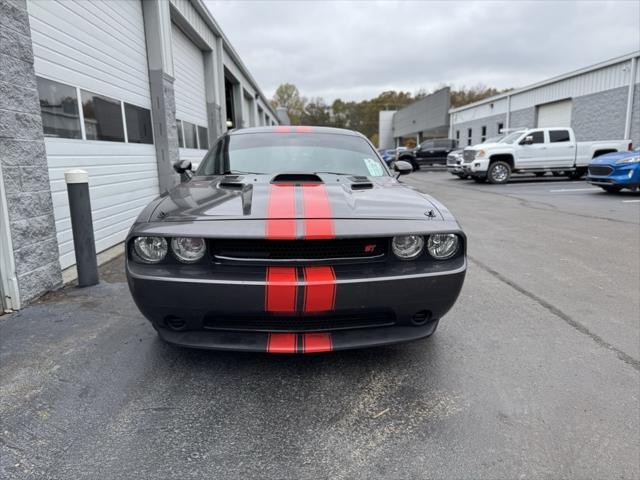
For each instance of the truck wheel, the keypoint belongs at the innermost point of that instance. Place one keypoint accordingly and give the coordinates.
(499, 173)
(578, 173)
(539, 174)
(416, 166)
(611, 188)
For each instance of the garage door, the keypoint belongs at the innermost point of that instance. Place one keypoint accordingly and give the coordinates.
(189, 91)
(91, 64)
(556, 114)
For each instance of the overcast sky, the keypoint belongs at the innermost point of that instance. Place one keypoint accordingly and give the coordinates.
(355, 50)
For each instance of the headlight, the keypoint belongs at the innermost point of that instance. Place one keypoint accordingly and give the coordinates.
(443, 245)
(480, 153)
(628, 160)
(188, 249)
(150, 249)
(407, 247)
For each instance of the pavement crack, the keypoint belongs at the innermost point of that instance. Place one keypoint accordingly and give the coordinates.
(626, 358)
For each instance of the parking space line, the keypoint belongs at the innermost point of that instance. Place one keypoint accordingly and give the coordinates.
(630, 201)
(575, 190)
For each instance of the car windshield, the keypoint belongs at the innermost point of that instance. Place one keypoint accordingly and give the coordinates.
(497, 139)
(512, 137)
(276, 152)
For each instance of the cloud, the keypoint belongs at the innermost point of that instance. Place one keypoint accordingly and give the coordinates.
(355, 50)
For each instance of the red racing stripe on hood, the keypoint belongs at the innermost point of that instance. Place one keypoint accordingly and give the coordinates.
(317, 342)
(281, 292)
(282, 343)
(320, 290)
(317, 214)
(281, 212)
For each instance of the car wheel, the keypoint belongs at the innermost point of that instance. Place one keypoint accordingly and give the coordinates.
(499, 173)
(539, 174)
(416, 165)
(556, 174)
(611, 188)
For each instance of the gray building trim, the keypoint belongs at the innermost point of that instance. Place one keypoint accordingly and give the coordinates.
(25, 177)
(428, 117)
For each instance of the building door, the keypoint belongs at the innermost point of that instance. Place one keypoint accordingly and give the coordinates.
(556, 114)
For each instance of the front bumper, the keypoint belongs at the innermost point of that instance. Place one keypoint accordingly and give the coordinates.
(410, 298)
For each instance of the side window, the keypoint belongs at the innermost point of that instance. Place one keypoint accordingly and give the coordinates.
(180, 134)
(102, 117)
(426, 145)
(138, 124)
(59, 109)
(556, 136)
(538, 137)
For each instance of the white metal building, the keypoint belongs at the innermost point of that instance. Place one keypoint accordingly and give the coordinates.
(600, 102)
(120, 89)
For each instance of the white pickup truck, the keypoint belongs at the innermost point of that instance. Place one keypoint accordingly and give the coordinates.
(535, 150)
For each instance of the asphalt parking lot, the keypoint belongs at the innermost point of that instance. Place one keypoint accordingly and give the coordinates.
(535, 373)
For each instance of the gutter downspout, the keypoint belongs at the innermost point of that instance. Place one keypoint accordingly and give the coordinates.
(632, 85)
(508, 122)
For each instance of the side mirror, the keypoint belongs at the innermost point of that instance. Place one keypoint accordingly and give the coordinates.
(528, 140)
(182, 166)
(403, 168)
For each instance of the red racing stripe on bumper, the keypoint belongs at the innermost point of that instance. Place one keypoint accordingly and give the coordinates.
(317, 342)
(281, 290)
(282, 343)
(317, 214)
(281, 212)
(320, 290)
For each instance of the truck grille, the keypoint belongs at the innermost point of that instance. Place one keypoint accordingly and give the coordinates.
(299, 250)
(468, 155)
(600, 170)
(294, 323)
(453, 160)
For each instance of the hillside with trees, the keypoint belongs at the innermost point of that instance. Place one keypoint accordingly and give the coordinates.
(363, 115)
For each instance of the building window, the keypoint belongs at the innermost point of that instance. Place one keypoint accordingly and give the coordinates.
(180, 134)
(457, 135)
(203, 140)
(190, 135)
(102, 117)
(484, 133)
(469, 135)
(500, 127)
(59, 109)
(138, 124)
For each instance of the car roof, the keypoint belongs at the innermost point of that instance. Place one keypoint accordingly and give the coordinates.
(296, 129)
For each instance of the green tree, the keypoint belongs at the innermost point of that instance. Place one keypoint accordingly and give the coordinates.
(288, 96)
(316, 112)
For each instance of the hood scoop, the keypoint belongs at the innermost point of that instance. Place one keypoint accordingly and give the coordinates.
(296, 178)
(360, 183)
(232, 182)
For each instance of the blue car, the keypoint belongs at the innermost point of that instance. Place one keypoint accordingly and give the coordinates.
(615, 171)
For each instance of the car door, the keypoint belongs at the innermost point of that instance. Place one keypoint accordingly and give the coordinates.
(561, 150)
(424, 151)
(533, 155)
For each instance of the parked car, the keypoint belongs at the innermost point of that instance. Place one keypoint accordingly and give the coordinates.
(294, 240)
(615, 171)
(454, 159)
(429, 152)
(536, 150)
(390, 155)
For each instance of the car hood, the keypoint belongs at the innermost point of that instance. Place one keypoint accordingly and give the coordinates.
(248, 197)
(484, 146)
(612, 158)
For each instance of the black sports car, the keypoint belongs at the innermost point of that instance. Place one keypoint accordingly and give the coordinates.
(294, 240)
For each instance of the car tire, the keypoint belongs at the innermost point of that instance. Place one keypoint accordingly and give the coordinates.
(611, 188)
(499, 173)
(539, 174)
(416, 165)
(556, 174)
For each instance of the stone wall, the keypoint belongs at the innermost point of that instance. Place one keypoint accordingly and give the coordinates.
(23, 159)
(525, 118)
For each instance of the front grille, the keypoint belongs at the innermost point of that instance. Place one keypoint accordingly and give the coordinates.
(468, 155)
(600, 170)
(311, 323)
(453, 160)
(299, 250)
